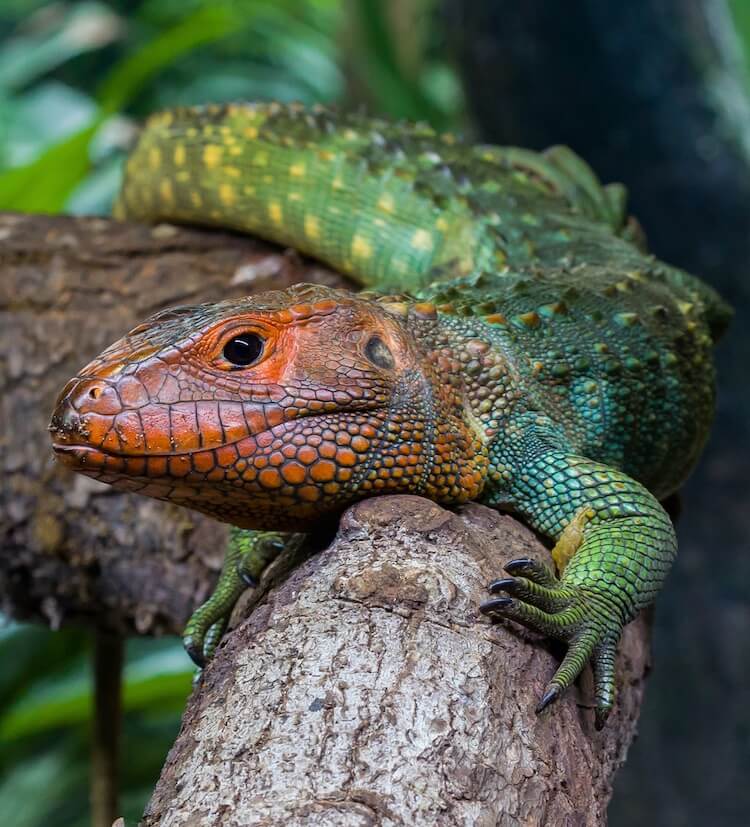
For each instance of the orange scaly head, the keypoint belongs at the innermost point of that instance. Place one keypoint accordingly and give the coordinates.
(270, 411)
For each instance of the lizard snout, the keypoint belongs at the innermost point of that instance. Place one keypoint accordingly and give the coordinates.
(70, 424)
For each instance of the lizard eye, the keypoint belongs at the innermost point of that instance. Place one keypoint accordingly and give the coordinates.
(377, 352)
(244, 350)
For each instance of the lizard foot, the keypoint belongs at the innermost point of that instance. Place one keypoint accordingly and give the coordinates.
(587, 622)
(248, 554)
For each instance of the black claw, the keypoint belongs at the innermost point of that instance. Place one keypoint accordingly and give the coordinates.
(521, 564)
(248, 579)
(600, 717)
(503, 584)
(552, 694)
(195, 651)
(493, 605)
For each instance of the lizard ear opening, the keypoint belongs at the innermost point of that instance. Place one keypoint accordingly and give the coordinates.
(378, 353)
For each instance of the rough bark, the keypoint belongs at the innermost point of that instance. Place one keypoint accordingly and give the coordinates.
(653, 93)
(72, 549)
(367, 689)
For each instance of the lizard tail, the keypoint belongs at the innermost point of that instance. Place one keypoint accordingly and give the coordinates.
(338, 189)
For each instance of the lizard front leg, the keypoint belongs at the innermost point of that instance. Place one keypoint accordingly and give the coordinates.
(615, 546)
(248, 554)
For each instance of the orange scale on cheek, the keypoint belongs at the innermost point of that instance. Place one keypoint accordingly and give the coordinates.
(255, 419)
(209, 423)
(327, 450)
(360, 444)
(323, 471)
(265, 439)
(293, 473)
(307, 454)
(276, 459)
(346, 457)
(270, 478)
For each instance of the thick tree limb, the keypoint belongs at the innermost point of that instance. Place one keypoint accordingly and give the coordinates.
(367, 689)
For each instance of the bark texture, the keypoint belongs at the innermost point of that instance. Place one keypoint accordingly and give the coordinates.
(367, 690)
(72, 549)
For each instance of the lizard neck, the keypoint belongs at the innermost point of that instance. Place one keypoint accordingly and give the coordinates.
(470, 390)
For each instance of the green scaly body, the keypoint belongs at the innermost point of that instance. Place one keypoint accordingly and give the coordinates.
(583, 364)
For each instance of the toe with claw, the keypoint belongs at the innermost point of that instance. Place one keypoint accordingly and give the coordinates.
(534, 597)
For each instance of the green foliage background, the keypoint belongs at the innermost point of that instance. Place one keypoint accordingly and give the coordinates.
(75, 78)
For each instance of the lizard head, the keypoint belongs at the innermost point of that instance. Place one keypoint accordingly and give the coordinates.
(269, 411)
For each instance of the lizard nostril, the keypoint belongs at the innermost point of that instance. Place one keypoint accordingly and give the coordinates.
(95, 392)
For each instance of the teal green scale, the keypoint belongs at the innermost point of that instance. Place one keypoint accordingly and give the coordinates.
(586, 362)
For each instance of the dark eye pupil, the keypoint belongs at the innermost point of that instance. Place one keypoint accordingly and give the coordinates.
(243, 350)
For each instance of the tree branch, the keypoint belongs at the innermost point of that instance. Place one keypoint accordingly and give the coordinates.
(367, 689)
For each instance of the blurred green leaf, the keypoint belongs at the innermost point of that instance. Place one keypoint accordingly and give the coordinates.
(53, 774)
(69, 32)
(45, 115)
(44, 185)
(128, 77)
(160, 681)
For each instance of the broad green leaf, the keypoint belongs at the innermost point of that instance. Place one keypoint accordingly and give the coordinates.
(82, 28)
(44, 185)
(126, 79)
(45, 115)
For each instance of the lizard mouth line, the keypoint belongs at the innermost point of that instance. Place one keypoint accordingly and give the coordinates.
(71, 451)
